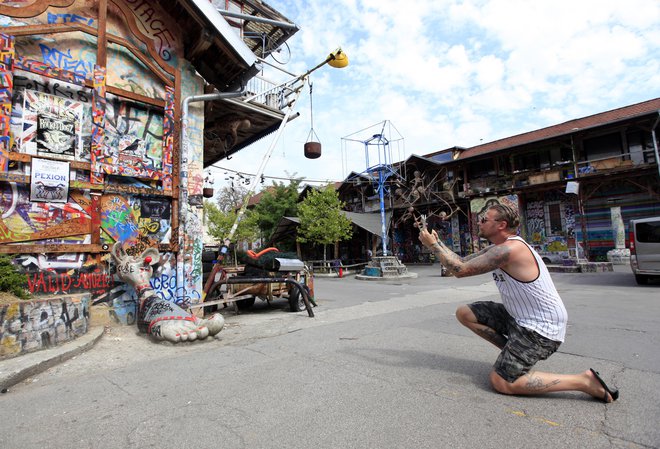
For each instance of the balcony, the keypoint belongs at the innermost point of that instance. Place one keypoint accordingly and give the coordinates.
(239, 122)
(624, 161)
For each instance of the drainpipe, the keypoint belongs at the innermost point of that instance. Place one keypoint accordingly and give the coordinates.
(183, 181)
(655, 142)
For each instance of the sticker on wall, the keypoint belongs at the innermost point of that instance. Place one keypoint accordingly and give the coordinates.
(49, 181)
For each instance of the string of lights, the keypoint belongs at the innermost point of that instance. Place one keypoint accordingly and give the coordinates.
(244, 175)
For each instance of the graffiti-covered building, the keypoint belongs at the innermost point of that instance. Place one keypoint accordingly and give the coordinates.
(109, 112)
(576, 185)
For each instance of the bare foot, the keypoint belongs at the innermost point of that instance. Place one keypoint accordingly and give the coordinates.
(595, 388)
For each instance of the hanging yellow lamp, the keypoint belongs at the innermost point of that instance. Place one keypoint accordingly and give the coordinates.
(337, 59)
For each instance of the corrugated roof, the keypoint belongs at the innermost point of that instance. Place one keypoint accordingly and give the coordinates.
(603, 118)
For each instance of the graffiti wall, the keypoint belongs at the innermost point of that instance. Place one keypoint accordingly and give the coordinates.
(139, 223)
(76, 52)
(22, 220)
(28, 326)
(191, 175)
(49, 274)
(535, 221)
(57, 103)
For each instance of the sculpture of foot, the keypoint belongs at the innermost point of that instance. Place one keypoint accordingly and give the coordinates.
(157, 317)
(176, 329)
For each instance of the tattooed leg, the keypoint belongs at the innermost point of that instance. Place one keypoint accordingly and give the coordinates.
(537, 382)
(467, 318)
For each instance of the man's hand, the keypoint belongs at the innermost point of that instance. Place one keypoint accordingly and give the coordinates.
(428, 238)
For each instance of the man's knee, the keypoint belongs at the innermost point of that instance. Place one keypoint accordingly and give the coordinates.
(499, 384)
(465, 315)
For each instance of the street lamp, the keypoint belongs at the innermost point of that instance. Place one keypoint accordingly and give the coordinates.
(337, 59)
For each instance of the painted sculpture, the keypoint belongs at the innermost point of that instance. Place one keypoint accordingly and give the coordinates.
(157, 317)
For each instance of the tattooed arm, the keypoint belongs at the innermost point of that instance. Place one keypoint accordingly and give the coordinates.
(484, 261)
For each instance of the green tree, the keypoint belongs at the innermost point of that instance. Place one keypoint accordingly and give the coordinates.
(220, 222)
(277, 201)
(321, 219)
(11, 280)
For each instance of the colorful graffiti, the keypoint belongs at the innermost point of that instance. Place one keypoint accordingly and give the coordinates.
(168, 138)
(98, 124)
(22, 220)
(27, 326)
(535, 220)
(6, 91)
(52, 126)
(132, 141)
(138, 222)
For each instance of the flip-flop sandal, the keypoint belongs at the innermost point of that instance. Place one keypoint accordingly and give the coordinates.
(613, 393)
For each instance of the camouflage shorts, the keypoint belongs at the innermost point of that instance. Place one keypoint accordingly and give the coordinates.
(524, 347)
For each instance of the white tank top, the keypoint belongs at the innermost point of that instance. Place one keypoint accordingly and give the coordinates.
(535, 305)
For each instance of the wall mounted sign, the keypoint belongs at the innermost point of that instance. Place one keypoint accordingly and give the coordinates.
(49, 181)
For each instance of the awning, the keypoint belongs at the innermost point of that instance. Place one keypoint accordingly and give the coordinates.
(370, 222)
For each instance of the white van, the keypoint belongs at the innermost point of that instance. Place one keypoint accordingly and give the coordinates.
(645, 248)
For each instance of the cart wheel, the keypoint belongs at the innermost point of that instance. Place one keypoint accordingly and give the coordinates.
(296, 300)
(246, 303)
(213, 295)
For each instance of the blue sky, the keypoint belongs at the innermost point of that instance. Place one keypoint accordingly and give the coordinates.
(449, 73)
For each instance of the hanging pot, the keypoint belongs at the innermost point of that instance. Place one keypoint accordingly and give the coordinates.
(312, 150)
(207, 192)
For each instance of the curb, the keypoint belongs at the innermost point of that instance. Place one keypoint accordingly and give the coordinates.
(19, 368)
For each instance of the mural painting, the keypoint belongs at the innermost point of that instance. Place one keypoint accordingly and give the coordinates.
(535, 220)
(133, 137)
(31, 325)
(140, 222)
(55, 102)
(42, 222)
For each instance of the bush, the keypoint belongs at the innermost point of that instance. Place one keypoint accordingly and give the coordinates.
(11, 280)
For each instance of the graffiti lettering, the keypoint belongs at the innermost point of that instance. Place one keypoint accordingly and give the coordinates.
(155, 27)
(51, 87)
(51, 282)
(69, 18)
(66, 61)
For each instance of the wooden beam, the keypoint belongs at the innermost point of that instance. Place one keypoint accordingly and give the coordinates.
(51, 248)
(136, 97)
(102, 41)
(24, 157)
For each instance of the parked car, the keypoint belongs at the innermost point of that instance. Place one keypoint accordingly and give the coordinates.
(645, 248)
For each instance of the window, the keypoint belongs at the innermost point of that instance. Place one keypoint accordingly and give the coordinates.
(602, 147)
(554, 221)
(648, 232)
(480, 169)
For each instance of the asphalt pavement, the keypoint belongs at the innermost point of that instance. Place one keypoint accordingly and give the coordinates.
(381, 365)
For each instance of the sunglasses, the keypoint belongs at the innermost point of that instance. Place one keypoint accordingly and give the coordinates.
(484, 219)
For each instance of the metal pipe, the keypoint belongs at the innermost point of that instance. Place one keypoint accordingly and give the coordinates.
(260, 171)
(183, 177)
(655, 142)
(236, 15)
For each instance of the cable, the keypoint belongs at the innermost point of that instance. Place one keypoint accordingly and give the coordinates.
(357, 181)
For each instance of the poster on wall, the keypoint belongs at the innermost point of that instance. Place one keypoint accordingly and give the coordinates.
(52, 126)
(55, 136)
(49, 181)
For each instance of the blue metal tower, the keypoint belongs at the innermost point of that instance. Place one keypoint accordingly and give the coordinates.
(378, 151)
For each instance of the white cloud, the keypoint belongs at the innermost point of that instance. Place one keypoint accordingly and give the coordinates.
(458, 72)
